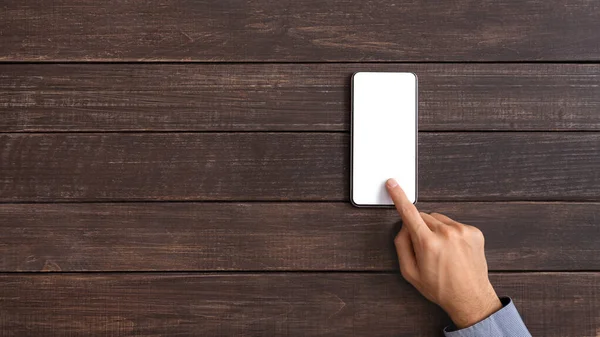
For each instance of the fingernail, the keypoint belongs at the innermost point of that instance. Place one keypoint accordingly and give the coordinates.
(391, 183)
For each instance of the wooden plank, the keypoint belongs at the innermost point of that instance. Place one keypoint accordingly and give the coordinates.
(307, 30)
(279, 236)
(288, 166)
(552, 304)
(289, 97)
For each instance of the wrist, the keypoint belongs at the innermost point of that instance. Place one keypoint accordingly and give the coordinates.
(476, 310)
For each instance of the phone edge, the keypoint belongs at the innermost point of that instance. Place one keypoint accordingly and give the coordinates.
(352, 142)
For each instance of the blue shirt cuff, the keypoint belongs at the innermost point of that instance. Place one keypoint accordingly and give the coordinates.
(505, 322)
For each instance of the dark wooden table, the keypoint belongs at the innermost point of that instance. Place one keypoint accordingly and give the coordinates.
(180, 168)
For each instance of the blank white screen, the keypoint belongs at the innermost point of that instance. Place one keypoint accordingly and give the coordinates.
(384, 117)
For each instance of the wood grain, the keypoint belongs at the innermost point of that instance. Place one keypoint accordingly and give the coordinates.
(322, 304)
(288, 166)
(279, 236)
(289, 97)
(307, 30)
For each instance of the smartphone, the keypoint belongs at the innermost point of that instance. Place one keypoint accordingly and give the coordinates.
(383, 136)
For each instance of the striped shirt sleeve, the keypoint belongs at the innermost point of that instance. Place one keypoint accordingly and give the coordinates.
(506, 322)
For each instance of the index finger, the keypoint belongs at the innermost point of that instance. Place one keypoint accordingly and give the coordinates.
(409, 213)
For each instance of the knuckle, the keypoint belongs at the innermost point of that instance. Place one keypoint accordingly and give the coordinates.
(430, 245)
(404, 273)
(446, 230)
(477, 233)
(398, 239)
(407, 274)
(461, 230)
(450, 232)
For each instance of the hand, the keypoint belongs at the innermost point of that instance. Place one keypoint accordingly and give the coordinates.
(445, 261)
